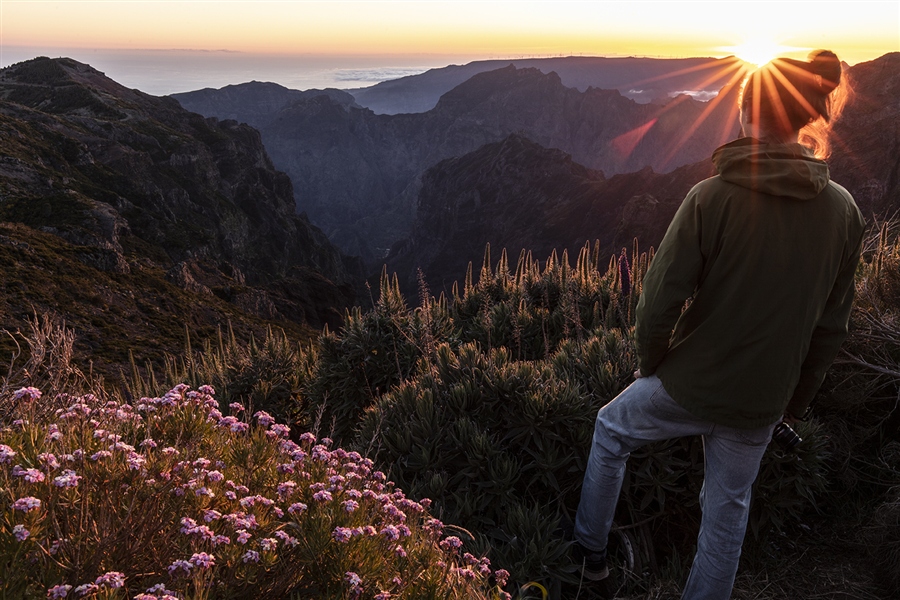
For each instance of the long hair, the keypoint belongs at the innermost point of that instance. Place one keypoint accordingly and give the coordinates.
(787, 97)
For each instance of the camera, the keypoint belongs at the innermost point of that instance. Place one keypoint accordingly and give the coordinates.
(785, 436)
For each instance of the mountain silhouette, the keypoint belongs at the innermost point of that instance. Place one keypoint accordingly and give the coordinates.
(640, 79)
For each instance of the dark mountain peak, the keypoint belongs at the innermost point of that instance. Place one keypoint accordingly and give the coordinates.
(52, 71)
(484, 85)
(323, 98)
(506, 158)
(64, 86)
(255, 103)
(61, 86)
(517, 194)
(641, 79)
(878, 76)
(513, 194)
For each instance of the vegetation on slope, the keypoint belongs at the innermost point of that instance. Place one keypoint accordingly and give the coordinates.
(484, 402)
(168, 498)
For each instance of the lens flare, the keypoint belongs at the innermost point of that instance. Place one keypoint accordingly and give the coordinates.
(758, 51)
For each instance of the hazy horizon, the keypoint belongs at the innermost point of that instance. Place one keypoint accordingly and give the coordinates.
(163, 72)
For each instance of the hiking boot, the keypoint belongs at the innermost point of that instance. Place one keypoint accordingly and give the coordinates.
(592, 564)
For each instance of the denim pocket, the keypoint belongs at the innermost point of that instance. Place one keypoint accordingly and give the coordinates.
(660, 398)
(761, 436)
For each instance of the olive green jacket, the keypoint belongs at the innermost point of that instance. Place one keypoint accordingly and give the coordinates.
(766, 253)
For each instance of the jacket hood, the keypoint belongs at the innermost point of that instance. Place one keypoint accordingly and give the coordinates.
(777, 169)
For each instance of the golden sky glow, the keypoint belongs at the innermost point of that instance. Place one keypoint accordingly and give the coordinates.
(856, 30)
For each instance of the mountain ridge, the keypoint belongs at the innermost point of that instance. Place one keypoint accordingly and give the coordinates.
(358, 174)
(135, 195)
(654, 78)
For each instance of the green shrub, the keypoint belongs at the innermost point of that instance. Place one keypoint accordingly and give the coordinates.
(882, 536)
(261, 376)
(531, 310)
(859, 411)
(488, 439)
(349, 370)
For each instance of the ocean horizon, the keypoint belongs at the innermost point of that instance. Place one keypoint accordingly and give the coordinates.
(163, 72)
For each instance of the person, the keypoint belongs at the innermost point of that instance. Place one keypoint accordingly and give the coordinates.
(764, 254)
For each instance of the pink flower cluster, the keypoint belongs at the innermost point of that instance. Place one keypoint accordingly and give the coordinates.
(27, 394)
(307, 482)
(158, 592)
(26, 504)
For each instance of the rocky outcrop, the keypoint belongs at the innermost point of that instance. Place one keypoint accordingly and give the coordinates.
(116, 160)
(135, 186)
(516, 194)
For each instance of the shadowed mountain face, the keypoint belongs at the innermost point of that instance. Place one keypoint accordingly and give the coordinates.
(357, 174)
(639, 79)
(866, 140)
(132, 216)
(516, 194)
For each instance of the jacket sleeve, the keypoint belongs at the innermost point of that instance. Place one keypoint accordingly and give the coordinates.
(830, 332)
(671, 279)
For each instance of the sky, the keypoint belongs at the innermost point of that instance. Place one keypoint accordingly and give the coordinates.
(368, 36)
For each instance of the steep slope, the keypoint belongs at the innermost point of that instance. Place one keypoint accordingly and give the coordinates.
(173, 219)
(356, 174)
(516, 194)
(866, 142)
(640, 79)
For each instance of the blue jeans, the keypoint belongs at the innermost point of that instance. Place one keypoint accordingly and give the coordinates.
(645, 413)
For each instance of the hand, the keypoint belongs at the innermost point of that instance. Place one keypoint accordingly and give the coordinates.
(789, 419)
(637, 374)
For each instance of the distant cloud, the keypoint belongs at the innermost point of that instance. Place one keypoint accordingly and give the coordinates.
(701, 95)
(376, 74)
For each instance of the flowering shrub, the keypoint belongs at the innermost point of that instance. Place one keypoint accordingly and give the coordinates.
(170, 498)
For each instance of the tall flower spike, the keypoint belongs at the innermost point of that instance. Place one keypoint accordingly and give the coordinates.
(486, 273)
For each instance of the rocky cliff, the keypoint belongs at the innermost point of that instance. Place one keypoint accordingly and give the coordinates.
(866, 142)
(160, 216)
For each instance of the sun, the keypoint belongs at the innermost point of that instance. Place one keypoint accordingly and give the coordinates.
(758, 51)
